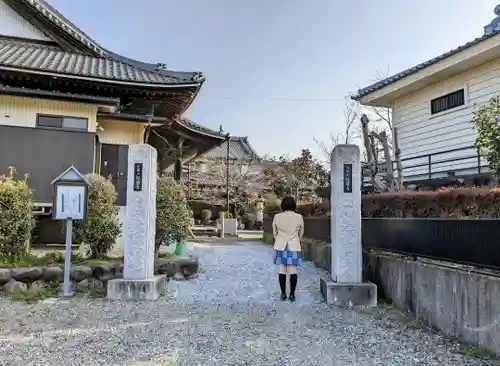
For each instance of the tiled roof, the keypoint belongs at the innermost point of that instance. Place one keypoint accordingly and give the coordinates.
(239, 148)
(40, 57)
(55, 17)
(187, 123)
(392, 79)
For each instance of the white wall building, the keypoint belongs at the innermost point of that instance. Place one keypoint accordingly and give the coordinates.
(433, 105)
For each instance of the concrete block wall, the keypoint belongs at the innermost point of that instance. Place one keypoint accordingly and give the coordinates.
(462, 304)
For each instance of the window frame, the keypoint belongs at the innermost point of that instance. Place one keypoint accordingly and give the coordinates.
(447, 91)
(62, 117)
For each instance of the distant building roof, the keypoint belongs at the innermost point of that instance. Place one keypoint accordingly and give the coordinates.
(239, 149)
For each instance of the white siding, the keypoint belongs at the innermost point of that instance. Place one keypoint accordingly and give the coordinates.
(13, 25)
(420, 133)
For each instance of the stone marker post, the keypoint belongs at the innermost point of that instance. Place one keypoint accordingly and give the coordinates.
(345, 286)
(139, 281)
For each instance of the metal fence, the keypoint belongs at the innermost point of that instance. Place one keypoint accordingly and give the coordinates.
(472, 242)
(441, 167)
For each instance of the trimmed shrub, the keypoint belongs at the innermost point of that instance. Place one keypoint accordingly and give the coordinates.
(173, 214)
(101, 227)
(461, 203)
(206, 214)
(272, 208)
(198, 206)
(453, 203)
(16, 215)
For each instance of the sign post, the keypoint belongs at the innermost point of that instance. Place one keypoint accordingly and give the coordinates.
(70, 203)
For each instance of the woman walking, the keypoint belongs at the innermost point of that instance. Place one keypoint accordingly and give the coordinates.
(288, 229)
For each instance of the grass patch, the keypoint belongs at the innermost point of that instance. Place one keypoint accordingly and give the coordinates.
(96, 262)
(31, 260)
(32, 295)
(477, 352)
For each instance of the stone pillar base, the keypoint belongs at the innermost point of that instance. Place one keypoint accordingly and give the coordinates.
(148, 289)
(349, 295)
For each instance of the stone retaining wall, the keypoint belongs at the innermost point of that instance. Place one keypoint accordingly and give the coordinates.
(84, 276)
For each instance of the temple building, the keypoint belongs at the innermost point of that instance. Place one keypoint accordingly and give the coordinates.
(207, 177)
(66, 100)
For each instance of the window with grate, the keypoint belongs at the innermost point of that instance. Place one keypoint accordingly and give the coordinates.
(62, 122)
(448, 101)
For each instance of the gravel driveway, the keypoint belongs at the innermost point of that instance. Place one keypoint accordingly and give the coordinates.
(230, 315)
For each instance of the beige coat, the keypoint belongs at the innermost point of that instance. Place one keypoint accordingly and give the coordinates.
(288, 227)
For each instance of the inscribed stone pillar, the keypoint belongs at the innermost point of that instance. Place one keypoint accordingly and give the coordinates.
(346, 214)
(140, 222)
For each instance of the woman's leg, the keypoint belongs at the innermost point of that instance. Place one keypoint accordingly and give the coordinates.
(282, 280)
(292, 271)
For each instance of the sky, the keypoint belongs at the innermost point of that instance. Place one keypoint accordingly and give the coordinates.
(278, 71)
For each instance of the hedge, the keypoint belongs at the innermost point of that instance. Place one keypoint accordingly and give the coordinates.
(102, 226)
(16, 215)
(451, 202)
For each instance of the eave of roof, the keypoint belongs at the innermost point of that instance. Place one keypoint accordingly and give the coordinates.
(64, 25)
(88, 99)
(156, 120)
(199, 129)
(403, 74)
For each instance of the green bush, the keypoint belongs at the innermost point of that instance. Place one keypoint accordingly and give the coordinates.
(206, 214)
(173, 214)
(101, 227)
(272, 208)
(16, 215)
(198, 206)
(487, 124)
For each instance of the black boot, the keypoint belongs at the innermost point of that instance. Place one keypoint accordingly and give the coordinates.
(282, 278)
(293, 286)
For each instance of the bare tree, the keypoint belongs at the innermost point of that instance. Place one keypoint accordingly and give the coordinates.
(349, 133)
(376, 143)
(245, 179)
(380, 140)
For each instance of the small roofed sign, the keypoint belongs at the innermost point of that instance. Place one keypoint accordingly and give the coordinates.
(70, 195)
(347, 178)
(137, 177)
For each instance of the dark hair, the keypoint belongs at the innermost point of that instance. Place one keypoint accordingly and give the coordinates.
(288, 204)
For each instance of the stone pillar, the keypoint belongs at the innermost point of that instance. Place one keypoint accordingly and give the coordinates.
(139, 282)
(345, 206)
(345, 286)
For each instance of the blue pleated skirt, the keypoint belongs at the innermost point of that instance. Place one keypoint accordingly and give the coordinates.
(287, 257)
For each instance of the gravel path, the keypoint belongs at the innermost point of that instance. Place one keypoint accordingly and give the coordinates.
(230, 315)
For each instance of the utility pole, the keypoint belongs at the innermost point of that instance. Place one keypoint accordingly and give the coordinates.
(227, 172)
